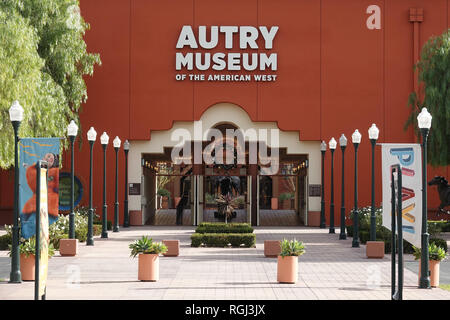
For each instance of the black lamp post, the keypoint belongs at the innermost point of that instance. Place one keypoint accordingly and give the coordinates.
(424, 121)
(332, 145)
(373, 136)
(16, 117)
(104, 141)
(92, 136)
(116, 144)
(343, 144)
(323, 149)
(126, 218)
(356, 139)
(72, 131)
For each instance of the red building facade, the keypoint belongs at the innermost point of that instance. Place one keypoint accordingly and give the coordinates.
(340, 66)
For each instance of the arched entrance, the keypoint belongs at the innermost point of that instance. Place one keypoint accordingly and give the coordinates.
(279, 198)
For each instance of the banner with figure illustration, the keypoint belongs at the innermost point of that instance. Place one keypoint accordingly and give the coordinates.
(43, 234)
(32, 150)
(410, 159)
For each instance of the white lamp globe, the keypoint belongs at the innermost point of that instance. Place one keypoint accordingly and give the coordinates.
(92, 134)
(323, 146)
(16, 112)
(356, 137)
(373, 132)
(116, 142)
(343, 141)
(72, 129)
(126, 145)
(332, 143)
(104, 139)
(424, 119)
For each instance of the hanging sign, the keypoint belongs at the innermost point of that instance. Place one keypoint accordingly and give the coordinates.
(410, 159)
(31, 151)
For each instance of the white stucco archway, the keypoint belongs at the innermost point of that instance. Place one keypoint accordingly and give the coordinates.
(218, 114)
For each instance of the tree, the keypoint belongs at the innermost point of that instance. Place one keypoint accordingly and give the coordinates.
(43, 58)
(434, 73)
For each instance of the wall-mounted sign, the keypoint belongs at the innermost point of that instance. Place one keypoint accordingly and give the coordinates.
(134, 189)
(315, 190)
(64, 191)
(232, 59)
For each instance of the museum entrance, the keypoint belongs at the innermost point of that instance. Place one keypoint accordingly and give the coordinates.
(179, 193)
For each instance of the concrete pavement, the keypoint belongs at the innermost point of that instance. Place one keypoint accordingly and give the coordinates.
(329, 270)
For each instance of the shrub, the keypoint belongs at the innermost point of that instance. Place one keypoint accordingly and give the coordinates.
(440, 243)
(209, 227)
(435, 252)
(146, 245)
(223, 239)
(292, 248)
(286, 196)
(5, 240)
(96, 229)
(28, 247)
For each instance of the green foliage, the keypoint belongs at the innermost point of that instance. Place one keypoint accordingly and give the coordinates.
(433, 71)
(163, 192)
(434, 252)
(247, 240)
(43, 59)
(209, 227)
(5, 241)
(292, 248)
(286, 196)
(145, 245)
(209, 198)
(28, 247)
(440, 243)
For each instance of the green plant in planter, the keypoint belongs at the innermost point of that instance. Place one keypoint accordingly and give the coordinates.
(434, 252)
(28, 247)
(286, 196)
(292, 248)
(146, 245)
(163, 192)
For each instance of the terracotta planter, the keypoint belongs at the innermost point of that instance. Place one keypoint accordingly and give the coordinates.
(135, 218)
(27, 267)
(148, 268)
(433, 266)
(274, 203)
(375, 249)
(173, 248)
(272, 248)
(68, 247)
(314, 218)
(165, 203)
(287, 269)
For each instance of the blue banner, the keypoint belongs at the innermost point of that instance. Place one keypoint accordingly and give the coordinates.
(30, 151)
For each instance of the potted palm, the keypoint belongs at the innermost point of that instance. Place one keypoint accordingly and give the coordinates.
(148, 254)
(287, 267)
(27, 249)
(436, 255)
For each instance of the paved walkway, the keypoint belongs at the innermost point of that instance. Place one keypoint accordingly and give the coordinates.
(330, 269)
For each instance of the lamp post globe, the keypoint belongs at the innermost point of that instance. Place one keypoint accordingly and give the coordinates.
(343, 144)
(126, 222)
(72, 130)
(332, 144)
(424, 121)
(92, 136)
(15, 116)
(323, 149)
(116, 144)
(104, 139)
(356, 139)
(373, 137)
